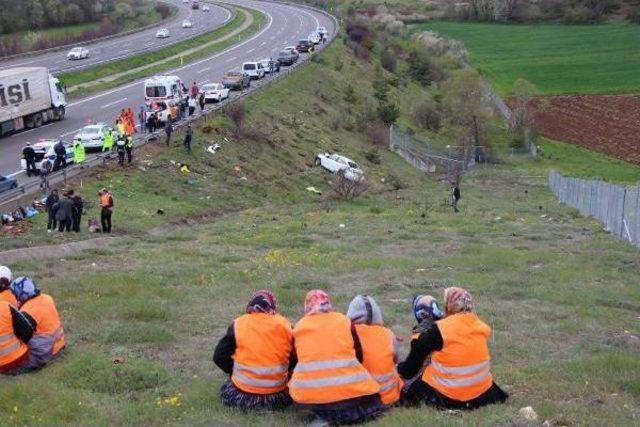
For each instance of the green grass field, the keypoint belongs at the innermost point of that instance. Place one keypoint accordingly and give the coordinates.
(556, 58)
(560, 293)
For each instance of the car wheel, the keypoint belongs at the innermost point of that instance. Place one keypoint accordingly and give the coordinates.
(37, 121)
(14, 186)
(318, 162)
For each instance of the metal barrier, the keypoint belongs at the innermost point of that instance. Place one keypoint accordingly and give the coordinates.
(616, 206)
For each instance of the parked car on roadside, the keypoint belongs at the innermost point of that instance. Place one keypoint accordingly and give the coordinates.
(215, 92)
(286, 57)
(78, 53)
(314, 38)
(187, 24)
(7, 183)
(304, 45)
(206, 8)
(268, 63)
(336, 163)
(293, 51)
(236, 80)
(44, 149)
(322, 31)
(92, 136)
(162, 33)
(253, 69)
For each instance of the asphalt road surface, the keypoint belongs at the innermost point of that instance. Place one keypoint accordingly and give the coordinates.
(128, 45)
(284, 26)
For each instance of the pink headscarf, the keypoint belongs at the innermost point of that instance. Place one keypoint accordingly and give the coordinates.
(317, 301)
(262, 302)
(457, 300)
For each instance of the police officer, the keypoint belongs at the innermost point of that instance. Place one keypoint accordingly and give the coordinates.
(128, 146)
(120, 149)
(108, 141)
(61, 156)
(79, 154)
(30, 159)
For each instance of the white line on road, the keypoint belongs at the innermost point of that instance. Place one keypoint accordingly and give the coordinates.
(203, 70)
(251, 50)
(111, 104)
(231, 59)
(69, 133)
(15, 174)
(30, 130)
(18, 65)
(204, 81)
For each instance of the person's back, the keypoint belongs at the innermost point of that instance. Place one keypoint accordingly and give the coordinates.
(65, 209)
(28, 153)
(13, 352)
(48, 325)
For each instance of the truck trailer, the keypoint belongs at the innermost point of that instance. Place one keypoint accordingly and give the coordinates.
(29, 98)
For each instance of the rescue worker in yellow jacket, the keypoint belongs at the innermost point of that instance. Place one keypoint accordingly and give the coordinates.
(329, 378)
(257, 352)
(40, 309)
(459, 373)
(79, 154)
(15, 333)
(5, 291)
(379, 347)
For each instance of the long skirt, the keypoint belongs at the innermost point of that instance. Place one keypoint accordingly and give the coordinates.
(421, 392)
(351, 411)
(234, 397)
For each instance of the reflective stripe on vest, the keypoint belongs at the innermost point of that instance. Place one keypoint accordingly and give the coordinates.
(461, 370)
(266, 370)
(331, 381)
(462, 382)
(326, 364)
(6, 337)
(11, 348)
(255, 382)
(388, 386)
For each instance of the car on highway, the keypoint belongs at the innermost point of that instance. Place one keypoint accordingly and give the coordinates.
(253, 69)
(7, 183)
(195, 5)
(303, 45)
(286, 57)
(44, 149)
(236, 80)
(78, 53)
(268, 64)
(214, 92)
(92, 136)
(162, 33)
(206, 8)
(187, 24)
(335, 163)
(314, 38)
(293, 51)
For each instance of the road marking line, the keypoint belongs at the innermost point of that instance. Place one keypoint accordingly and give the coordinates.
(18, 65)
(262, 44)
(30, 130)
(204, 69)
(69, 133)
(111, 104)
(231, 59)
(251, 50)
(204, 81)
(16, 174)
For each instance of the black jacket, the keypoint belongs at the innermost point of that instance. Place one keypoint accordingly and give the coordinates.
(28, 153)
(65, 209)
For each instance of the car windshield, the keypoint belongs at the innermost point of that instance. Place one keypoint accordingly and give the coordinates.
(353, 165)
(303, 42)
(210, 87)
(76, 50)
(91, 130)
(156, 91)
(234, 74)
(249, 66)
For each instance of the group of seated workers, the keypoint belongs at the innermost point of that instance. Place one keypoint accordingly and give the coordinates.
(344, 368)
(31, 333)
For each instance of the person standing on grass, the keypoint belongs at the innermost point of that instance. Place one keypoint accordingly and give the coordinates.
(108, 141)
(188, 136)
(79, 154)
(45, 169)
(30, 159)
(78, 207)
(201, 101)
(51, 203)
(192, 105)
(106, 206)
(455, 196)
(64, 214)
(128, 146)
(121, 149)
(142, 118)
(168, 129)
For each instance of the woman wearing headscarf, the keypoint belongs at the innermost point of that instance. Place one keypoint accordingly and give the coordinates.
(257, 354)
(329, 378)
(379, 347)
(48, 337)
(459, 374)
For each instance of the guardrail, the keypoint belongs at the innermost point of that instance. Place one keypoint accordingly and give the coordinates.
(97, 39)
(10, 199)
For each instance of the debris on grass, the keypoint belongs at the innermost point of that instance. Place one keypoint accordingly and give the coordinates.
(314, 190)
(527, 413)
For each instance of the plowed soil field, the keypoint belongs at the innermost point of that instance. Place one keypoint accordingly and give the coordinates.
(609, 124)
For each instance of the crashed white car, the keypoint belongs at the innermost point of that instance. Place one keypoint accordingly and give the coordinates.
(215, 92)
(336, 163)
(78, 53)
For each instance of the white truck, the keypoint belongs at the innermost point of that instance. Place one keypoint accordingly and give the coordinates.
(29, 97)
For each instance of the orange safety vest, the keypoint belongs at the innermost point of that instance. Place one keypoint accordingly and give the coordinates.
(263, 348)
(11, 348)
(43, 310)
(327, 370)
(461, 370)
(8, 296)
(379, 359)
(104, 201)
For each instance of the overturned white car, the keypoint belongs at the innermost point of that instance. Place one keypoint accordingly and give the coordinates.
(336, 163)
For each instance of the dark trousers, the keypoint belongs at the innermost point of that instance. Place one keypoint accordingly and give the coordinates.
(75, 224)
(168, 138)
(51, 222)
(191, 110)
(129, 154)
(105, 219)
(60, 162)
(31, 167)
(121, 157)
(65, 225)
(187, 146)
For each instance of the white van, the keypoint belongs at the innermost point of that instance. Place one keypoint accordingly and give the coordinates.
(253, 69)
(164, 88)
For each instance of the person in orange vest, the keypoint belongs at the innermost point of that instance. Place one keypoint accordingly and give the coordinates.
(5, 280)
(379, 347)
(459, 373)
(329, 378)
(48, 335)
(15, 332)
(257, 353)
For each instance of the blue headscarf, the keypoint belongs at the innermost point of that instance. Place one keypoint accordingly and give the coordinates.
(24, 289)
(426, 306)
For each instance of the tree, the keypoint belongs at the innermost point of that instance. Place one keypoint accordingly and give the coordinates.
(388, 113)
(35, 18)
(521, 122)
(467, 111)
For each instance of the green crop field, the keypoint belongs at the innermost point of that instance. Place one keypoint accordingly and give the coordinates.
(556, 58)
(560, 293)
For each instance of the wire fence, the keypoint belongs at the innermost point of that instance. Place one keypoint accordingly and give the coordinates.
(615, 206)
(444, 162)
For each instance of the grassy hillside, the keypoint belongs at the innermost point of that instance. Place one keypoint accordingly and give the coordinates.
(560, 293)
(556, 58)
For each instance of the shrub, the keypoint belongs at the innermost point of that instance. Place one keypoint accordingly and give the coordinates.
(388, 61)
(377, 132)
(346, 189)
(237, 113)
(428, 116)
(422, 68)
(388, 113)
(338, 65)
(373, 156)
(350, 94)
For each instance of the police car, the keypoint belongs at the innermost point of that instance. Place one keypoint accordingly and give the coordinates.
(44, 149)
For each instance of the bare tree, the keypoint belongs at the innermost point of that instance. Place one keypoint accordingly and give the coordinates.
(345, 188)
(521, 122)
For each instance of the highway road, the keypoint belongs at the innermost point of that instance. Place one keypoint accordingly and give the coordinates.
(128, 45)
(285, 25)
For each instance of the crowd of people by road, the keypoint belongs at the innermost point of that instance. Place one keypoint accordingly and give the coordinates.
(65, 213)
(353, 374)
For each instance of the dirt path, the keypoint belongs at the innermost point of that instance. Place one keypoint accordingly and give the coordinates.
(58, 251)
